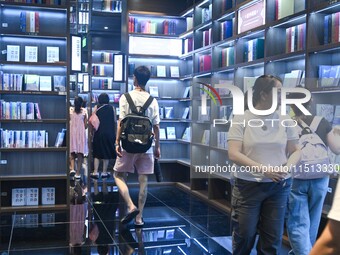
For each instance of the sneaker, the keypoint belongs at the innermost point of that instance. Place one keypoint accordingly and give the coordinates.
(94, 176)
(77, 177)
(72, 173)
(105, 175)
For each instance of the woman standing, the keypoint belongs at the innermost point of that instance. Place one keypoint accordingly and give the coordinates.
(104, 138)
(262, 182)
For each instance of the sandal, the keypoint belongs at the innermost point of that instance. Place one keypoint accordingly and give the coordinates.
(94, 176)
(139, 224)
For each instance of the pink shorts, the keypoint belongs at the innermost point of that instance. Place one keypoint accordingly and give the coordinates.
(129, 162)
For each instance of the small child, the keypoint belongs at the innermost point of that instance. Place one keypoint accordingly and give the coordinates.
(78, 122)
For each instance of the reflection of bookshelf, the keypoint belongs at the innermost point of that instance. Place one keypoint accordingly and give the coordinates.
(27, 75)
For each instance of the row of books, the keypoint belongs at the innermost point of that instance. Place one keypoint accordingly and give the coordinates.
(30, 196)
(112, 6)
(329, 75)
(225, 112)
(160, 71)
(31, 53)
(153, 90)
(227, 56)
(32, 82)
(106, 57)
(31, 220)
(206, 37)
(29, 22)
(254, 49)
(293, 78)
(166, 27)
(23, 138)
(204, 63)
(226, 29)
(19, 110)
(83, 17)
(167, 134)
(99, 70)
(114, 97)
(203, 116)
(295, 38)
(47, 2)
(206, 13)
(331, 28)
(167, 112)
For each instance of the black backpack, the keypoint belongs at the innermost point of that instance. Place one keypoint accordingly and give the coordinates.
(136, 128)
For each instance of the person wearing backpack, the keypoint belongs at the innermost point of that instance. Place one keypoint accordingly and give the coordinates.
(310, 181)
(133, 146)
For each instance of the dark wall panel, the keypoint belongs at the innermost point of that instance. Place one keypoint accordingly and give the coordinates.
(168, 7)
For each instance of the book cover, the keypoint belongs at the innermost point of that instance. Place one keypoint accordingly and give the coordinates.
(169, 112)
(19, 197)
(59, 83)
(185, 113)
(52, 54)
(186, 92)
(31, 54)
(161, 71)
(32, 82)
(161, 112)
(45, 83)
(32, 196)
(171, 132)
(47, 195)
(174, 71)
(285, 8)
(187, 134)
(206, 137)
(153, 90)
(162, 134)
(48, 220)
(13, 53)
(37, 114)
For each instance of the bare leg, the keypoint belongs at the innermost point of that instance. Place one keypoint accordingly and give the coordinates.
(96, 165)
(143, 193)
(124, 190)
(80, 158)
(105, 165)
(72, 159)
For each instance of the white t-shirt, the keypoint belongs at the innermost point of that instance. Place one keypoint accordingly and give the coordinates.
(264, 140)
(334, 213)
(139, 98)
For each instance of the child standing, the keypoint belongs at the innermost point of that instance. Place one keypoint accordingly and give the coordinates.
(78, 122)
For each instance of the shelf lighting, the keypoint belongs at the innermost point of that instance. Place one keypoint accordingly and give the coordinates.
(290, 20)
(204, 2)
(225, 17)
(206, 25)
(106, 28)
(190, 11)
(329, 7)
(202, 75)
(186, 34)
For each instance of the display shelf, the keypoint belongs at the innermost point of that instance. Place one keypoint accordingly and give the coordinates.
(34, 77)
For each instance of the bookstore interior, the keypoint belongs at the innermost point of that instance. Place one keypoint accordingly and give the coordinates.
(55, 50)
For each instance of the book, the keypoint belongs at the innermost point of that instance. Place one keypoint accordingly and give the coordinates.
(59, 83)
(47, 195)
(31, 54)
(161, 112)
(153, 90)
(186, 92)
(168, 112)
(161, 71)
(162, 134)
(284, 8)
(174, 71)
(206, 137)
(37, 114)
(48, 220)
(52, 54)
(45, 83)
(187, 134)
(31, 82)
(32, 196)
(185, 113)
(18, 197)
(171, 132)
(13, 53)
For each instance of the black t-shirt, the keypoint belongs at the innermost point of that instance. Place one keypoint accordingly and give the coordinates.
(323, 129)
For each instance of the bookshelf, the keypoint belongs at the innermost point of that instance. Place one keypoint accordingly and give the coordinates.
(238, 51)
(34, 95)
(169, 82)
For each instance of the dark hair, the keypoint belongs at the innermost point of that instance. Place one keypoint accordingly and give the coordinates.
(296, 95)
(103, 99)
(78, 103)
(142, 74)
(264, 83)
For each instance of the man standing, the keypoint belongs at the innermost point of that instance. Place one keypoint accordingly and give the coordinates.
(141, 162)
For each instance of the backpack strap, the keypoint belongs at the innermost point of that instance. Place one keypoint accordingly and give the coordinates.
(147, 104)
(134, 108)
(131, 103)
(315, 123)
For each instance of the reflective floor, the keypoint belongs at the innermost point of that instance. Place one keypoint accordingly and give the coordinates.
(175, 223)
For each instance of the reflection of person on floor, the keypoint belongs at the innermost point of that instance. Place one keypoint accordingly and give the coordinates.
(77, 214)
(105, 205)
